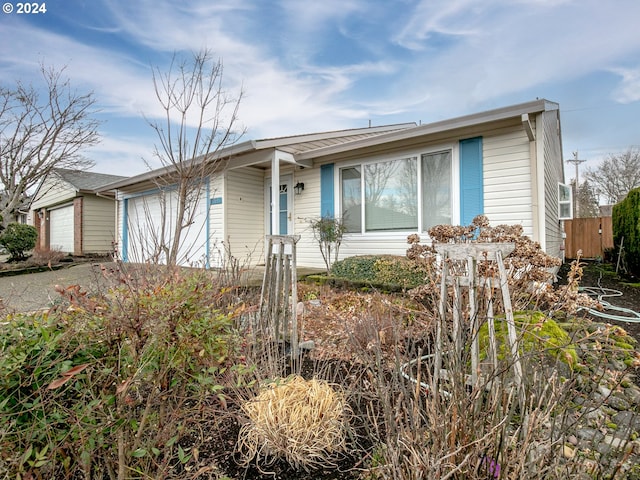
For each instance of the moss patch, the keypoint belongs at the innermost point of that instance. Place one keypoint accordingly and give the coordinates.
(536, 332)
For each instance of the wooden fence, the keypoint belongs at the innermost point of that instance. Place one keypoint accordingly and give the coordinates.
(591, 235)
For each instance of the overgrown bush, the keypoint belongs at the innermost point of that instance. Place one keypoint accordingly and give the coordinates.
(18, 238)
(531, 271)
(381, 270)
(626, 230)
(110, 384)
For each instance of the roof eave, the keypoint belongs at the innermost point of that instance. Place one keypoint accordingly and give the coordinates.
(514, 111)
(237, 149)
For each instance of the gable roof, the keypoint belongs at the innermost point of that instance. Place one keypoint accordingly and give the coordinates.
(298, 144)
(294, 144)
(86, 181)
(513, 111)
(304, 148)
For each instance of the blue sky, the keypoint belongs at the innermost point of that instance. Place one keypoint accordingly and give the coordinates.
(308, 65)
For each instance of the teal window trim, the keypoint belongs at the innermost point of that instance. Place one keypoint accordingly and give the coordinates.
(125, 230)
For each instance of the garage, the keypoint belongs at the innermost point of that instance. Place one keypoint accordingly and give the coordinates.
(150, 227)
(61, 229)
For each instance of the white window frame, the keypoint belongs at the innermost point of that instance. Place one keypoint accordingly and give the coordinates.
(399, 155)
(562, 203)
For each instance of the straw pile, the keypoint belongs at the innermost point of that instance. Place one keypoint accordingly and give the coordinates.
(304, 422)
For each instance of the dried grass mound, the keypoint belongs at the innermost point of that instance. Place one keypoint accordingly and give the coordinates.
(304, 422)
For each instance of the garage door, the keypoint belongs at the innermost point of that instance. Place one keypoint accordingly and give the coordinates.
(150, 227)
(61, 229)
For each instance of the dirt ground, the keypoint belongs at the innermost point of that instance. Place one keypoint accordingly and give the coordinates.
(600, 279)
(332, 319)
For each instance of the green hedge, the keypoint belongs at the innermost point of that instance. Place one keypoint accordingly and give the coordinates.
(381, 270)
(626, 225)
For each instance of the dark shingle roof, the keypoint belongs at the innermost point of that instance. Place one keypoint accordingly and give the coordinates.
(83, 180)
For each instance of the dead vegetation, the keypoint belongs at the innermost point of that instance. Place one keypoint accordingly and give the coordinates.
(174, 389)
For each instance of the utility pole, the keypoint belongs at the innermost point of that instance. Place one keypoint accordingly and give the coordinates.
(576, 187)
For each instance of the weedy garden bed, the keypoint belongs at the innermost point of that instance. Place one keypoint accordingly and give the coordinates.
(156, 378)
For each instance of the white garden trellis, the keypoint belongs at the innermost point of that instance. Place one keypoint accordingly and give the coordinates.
(278, 297)
(459, 270)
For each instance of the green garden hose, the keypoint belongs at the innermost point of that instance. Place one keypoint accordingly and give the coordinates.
(629, 316)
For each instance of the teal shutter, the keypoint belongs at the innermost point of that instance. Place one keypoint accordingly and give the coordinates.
(326, 191)
(471, 191)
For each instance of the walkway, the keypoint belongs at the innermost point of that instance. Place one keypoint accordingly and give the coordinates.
(23, 293)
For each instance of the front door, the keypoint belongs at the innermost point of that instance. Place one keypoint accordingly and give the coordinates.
(283, 207)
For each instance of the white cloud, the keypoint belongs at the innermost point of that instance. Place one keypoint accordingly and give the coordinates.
(409, 60)
(468, 53)
(629, 89)
(454, 18)
(118, 82)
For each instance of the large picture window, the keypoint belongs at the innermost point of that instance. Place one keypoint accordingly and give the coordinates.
(405, 194)
(351, 184)
(390, 192)
(436, 189)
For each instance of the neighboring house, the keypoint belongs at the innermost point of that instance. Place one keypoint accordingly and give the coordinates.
(21, 214)
(71, 216)
(385, 182)
(605, 210)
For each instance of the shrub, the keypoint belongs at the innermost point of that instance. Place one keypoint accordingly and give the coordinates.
(46, 256)
(381, 270)
(304, 422)
(18, 238)
(626, 230)
(111, 383)
(328, 232)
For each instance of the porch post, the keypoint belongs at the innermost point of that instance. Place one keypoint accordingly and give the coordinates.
(275, 194)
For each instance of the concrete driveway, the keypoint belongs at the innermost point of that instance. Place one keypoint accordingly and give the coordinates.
(34, 291)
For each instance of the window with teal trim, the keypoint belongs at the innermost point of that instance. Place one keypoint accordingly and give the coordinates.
(351, 189)
(404, 194)
(436, 189)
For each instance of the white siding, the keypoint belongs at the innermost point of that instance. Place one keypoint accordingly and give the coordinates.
(245, 215)
(507, 178)
(507, 198)
(554, 173)
(98, 225)
(216, 221)
(306, 207)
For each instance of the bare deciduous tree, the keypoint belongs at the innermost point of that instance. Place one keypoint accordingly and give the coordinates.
(587, 200)
(617, 175)
(199, 121)
(40, 132)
